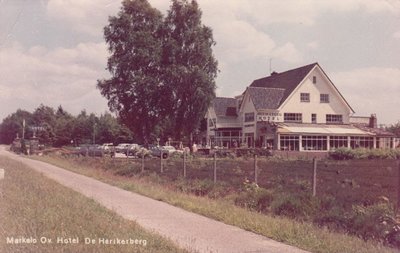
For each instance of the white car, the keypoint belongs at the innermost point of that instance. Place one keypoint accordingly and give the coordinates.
(122, 147)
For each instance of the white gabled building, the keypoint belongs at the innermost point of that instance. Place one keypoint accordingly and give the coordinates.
(300, 109)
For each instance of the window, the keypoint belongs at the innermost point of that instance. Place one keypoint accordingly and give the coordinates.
(361, 142)
(289, 142)
(314, 118)
(384, 142)
(304, 97)
(314, 79)
(310, 142)
(338, 142)
(292, 117)
(324, 98)
(249, 117)
(334, 119)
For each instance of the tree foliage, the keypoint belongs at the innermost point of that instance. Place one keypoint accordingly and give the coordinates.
(59, 128)
(395, 128)
(162, 68)
(190, 65)
(133, 90)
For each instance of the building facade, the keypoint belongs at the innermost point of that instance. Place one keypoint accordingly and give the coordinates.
(300, 110)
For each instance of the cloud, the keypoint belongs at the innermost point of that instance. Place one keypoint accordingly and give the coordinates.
(313, 45)
(87, 16)
(371, 90)
(396, 35)
(288, 53)
(59, 76)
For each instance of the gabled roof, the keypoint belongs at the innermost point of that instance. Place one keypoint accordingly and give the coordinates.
(287, 80)
(224, 106)
(266, 98)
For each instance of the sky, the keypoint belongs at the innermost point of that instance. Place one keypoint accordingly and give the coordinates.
(52, 52)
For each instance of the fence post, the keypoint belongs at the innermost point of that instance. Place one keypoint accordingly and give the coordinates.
(142, 163)
(215, 168)
(398, 185)
(184, 164)
(161, 163)
(314, 179)
(255, 170)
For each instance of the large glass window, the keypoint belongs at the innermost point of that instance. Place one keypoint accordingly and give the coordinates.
(324, 98)
(361, 142)
(338, 142)
(293, 117)
(384, 142)
(312, 142)
(334, 119)
(289, 142)
(304, 97)
(249, 117)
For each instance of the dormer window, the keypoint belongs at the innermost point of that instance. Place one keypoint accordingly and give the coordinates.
(304, 97)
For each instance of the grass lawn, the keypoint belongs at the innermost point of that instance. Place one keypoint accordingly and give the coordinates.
(34, 207)
(300, 234)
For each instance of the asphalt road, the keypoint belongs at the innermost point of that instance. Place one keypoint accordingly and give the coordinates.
(188, 230)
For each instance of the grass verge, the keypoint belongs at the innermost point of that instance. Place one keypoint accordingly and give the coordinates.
(299, 234)
(34, 207)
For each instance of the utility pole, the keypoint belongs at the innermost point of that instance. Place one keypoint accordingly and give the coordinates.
(94, 133)
(23, 129)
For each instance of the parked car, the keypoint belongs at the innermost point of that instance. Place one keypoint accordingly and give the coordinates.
(142, 152)
(107, 148)
(91, 150)
(158, 150)
(122, 147)
(165, 150)
(132, 149)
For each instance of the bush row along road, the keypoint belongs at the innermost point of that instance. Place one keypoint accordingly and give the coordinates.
(188, 230)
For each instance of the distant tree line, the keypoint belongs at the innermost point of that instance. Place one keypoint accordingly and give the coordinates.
(395, 128)
(59, 128)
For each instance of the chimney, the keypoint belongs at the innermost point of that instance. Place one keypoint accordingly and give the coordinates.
(274, 73)
(373, 121)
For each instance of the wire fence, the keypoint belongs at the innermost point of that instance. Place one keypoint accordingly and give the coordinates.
(351, 180)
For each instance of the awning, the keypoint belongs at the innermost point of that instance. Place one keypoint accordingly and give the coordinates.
(322, 129)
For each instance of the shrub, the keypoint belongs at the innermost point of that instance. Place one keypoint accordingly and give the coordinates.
(341, 154)
(254, 197)
(367, 221)
(198, 187)
(363, 153)
(290, 206)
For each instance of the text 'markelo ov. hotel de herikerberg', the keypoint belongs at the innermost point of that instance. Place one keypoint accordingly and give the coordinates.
(296, 110)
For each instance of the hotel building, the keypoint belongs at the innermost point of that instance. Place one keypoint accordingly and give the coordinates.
(299, 109)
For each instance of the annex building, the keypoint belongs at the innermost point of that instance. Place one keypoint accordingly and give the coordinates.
(299, 109)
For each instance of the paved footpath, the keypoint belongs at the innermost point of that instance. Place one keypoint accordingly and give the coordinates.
(188, 230)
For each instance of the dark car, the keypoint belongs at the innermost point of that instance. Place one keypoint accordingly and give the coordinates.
(91, 150)
(157, 151)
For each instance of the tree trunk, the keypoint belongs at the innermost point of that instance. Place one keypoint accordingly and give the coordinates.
(191, 143)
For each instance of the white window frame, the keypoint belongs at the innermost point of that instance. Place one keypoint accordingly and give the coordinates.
(334, 119)
(324, 98)
(305, 97)
(293, 117)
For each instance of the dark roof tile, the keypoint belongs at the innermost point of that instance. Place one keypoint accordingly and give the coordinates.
(266, 98)
(224, 106)
(287, 80)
